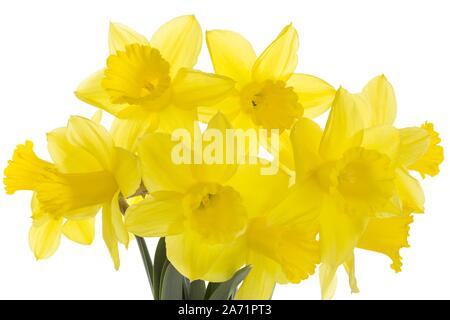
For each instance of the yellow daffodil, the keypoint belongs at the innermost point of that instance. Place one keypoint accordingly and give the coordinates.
(360, 165)
(199, 208)
(268, 93)
(88, 172)
(212, 216)
(150, 84)
(413, 148)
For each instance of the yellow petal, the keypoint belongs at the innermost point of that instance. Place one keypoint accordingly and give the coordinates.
(410, 191)
(298, 251)
(260, 281)
(305, 138)
(281, 150)
(314, 94)
(328, 280)
(80, 231)
(109, 235)
(279, 59)
(97, 116)
(192, 88)
(127, 132)
(117, 221)
(339, 233)
(286, 153)
(231, 54)
(343, 125)
(211, 170)
(350, 268)
(127, 171)
(384, 138)
(82, 213)
(159, 172)
(68, 157)
(93, 138)
(414, 142)
(39, 216)
(157, 216)
(179, 42)
(172, 118)
(44, 239)
(301, 204)
(120, 36)
(392, 208)
(243, 120)
(259, 192)
(92, 92)
(230, 106)
(381, 98)
(198, 259)
(387, 236)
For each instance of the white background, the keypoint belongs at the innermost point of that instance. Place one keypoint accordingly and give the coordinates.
(48, 47)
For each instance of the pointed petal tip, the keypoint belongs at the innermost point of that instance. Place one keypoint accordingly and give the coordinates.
(113, 25)
(341, 91)
(191, 17)
(290, 27)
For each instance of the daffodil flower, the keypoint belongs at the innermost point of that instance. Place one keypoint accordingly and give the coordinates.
(217, 217)
(150, 84)
(88, 173)
(268, 93)
(359, 165)
(413, 149)
(201, 209)
(351, 183)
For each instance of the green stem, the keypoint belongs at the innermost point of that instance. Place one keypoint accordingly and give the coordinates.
(146, 258)
(147, 261)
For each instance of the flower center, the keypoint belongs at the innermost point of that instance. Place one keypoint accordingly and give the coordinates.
(271, 104)
(215, 212)
(364, 181)
(138, 75)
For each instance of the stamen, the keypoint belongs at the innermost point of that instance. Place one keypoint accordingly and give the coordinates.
(271, 104)
(215, 212)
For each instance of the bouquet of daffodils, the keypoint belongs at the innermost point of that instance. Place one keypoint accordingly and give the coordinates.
(183, 162)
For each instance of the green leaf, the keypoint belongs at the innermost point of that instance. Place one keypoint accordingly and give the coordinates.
(225, 290)
(197, 290)
(160, 260)
(147, 261)
(172, 285)
(186, 288)
(161, 280)
(212, 286)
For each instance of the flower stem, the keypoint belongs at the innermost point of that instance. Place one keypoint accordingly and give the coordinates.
(146, 258)
(147, 261)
